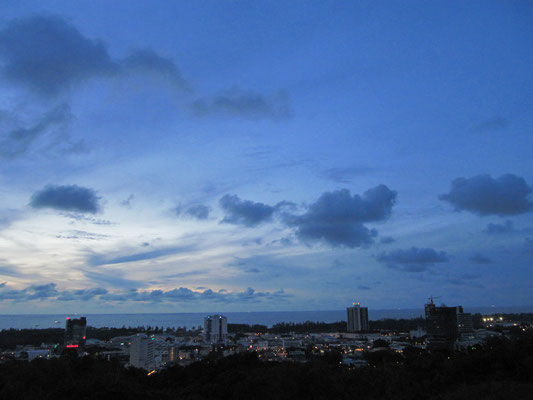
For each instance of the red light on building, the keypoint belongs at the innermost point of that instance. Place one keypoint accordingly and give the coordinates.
(85, 337)
(70, 346)
(68, 318)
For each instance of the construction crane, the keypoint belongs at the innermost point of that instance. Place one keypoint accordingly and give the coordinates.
(431, 298)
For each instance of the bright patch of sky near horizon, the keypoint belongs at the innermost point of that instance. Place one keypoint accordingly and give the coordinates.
(264, 156)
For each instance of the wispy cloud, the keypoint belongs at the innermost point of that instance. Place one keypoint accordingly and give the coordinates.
(344, 174)
(490, 125)
(247, 104)
(101, 259)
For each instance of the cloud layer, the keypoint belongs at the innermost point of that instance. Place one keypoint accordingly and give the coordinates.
(178, 295)
(507, 195)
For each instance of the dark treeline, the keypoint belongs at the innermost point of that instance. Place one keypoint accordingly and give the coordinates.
(398, 325)
(501, 369)
(309, 327)
(10, 338)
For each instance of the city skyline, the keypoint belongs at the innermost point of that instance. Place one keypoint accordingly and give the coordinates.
(231, 156)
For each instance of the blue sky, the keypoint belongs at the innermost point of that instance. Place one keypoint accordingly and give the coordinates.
(248, 156)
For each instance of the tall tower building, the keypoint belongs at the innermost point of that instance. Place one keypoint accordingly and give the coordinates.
(357, 318)
(215, 328)
(142, 352)
(445, 325)
(75, 334)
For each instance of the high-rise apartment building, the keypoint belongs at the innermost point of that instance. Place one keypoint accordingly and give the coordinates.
(75, 334)
(357, 318)
(465, 324)
(142, 352)
(215, 328)
(445, 325)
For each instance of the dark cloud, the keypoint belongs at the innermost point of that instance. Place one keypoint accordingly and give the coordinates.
(244, 212)
(412, 259)
(18, 140)
(496, 229)
(49, 55)
(363, 287)
(337, 217)
(148, 61)
(66, 198)
(387, 240)
(97, 259)
(468, 280)
(484, 195)
(246, 104)
(285, 241)
(127, 202)
(344, 174)
(198, 211)
(480, 259)
(490, 125)
(253, 242)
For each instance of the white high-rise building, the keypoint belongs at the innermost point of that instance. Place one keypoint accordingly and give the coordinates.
(215, 328)
(357, 318)
(142, 352)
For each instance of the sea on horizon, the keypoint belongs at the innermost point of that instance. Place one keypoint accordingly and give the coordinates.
(190, 320)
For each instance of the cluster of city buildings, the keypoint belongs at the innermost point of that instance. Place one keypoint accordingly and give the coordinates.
(446, 328)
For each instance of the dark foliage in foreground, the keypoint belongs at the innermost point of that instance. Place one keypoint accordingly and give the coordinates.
(501, 369)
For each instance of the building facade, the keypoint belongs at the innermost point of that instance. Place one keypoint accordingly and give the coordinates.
(445, 325)
(142, 352)
(357, 318)
(215, 328)
(75, 334)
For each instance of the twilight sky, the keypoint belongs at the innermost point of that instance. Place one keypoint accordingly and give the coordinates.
(267, 155)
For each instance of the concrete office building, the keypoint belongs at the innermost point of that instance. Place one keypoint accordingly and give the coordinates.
(215, 328)
(142, 352)
(357, 318)
(465, 324)
(75, 334)
(445, 325)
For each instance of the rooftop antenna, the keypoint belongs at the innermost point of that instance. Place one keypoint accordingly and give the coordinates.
(431, 298)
